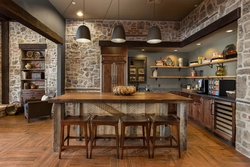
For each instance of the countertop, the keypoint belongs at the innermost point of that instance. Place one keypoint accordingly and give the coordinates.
(107, 97)
(224, 98)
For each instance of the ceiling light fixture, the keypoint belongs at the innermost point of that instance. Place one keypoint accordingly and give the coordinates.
(118, 34)
(79, 13)
(83, 33)
(154, 33)
(229, 31)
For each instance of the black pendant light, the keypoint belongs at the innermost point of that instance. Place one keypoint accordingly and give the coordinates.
(83, 33)
(118, 34)
(154, 33)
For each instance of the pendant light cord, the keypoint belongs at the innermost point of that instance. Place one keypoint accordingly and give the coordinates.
(154, 13)
(83, 12)
(67, 7)
(118, 11)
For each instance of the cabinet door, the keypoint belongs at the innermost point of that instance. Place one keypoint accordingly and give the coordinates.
(198, 112)
(208, 113)
(113, 72)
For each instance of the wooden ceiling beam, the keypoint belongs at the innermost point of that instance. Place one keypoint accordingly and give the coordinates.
(15, 12)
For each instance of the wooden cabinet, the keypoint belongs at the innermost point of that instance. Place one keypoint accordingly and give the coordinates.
(31, 94)
(113, 67)
(208, 114)
(196, 109)
(137, 70)
(32, 71)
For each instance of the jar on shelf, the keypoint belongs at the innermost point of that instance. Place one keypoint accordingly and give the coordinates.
(180, 62)
(28, 66)
(221, 71)
(193, 73)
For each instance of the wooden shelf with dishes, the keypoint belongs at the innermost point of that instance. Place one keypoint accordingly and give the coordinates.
(214, 62)
(193, 66)
(187, 77)
(177, 67)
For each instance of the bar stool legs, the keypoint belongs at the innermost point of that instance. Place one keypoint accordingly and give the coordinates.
(104, 120)
(165, 120)
(135, 121)
(74, 120)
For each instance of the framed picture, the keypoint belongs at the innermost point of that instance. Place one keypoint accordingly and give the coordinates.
(141, 71)
(132, 78)
(140, 78)
(132, 70)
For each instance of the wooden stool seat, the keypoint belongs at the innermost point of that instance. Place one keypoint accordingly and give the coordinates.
(135, 121)
(165, 120)
(74, 120)
(104, 120)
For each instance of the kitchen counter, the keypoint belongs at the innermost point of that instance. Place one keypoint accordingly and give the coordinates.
(108, 103)
(223, 98)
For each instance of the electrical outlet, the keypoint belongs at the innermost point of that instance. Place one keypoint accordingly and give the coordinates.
(159, 85)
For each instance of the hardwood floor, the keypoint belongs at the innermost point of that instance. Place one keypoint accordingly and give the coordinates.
(24, 145)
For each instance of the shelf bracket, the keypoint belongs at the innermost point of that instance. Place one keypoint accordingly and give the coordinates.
(210, 65)
(220, 64)
(179, 69)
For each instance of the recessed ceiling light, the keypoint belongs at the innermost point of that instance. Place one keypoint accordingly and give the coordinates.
(229, 31)
(73, 3)
(198, 44)
(79, 14)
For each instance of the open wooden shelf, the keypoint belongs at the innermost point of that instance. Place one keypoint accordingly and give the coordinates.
(188, 77)
(176, 67)
(215, 62)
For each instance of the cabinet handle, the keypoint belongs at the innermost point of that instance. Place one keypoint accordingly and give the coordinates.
(211, 108)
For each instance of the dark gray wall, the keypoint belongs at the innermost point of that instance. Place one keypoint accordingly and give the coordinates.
(45, 12)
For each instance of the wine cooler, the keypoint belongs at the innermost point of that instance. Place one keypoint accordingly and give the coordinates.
(224, 120)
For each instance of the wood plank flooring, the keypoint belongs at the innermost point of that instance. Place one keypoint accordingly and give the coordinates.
(25, 144)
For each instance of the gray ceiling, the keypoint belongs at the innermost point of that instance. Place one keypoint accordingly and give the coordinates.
(165, 10)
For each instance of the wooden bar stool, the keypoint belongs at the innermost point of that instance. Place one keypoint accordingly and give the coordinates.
(135, 121)
(74, 120)
(166, 120)
(104, 121)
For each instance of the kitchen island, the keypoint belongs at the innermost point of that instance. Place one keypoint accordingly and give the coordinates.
(108, 103)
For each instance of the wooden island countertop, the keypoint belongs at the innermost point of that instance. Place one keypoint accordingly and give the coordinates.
(108, 103)
(107, 97)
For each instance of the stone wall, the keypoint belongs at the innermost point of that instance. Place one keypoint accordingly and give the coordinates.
(83, 60)
(206, 13)
(243, 81)
(21, 34)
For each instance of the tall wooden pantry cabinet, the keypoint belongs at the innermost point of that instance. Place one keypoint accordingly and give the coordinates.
(114, 67)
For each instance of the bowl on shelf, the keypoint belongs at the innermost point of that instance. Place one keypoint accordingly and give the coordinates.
(124, 90)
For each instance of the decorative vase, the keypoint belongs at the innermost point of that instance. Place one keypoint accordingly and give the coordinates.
(28, 66)
(220, 71)
(154, 73)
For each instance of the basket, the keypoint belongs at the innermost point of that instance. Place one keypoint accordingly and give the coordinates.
(231, 94)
